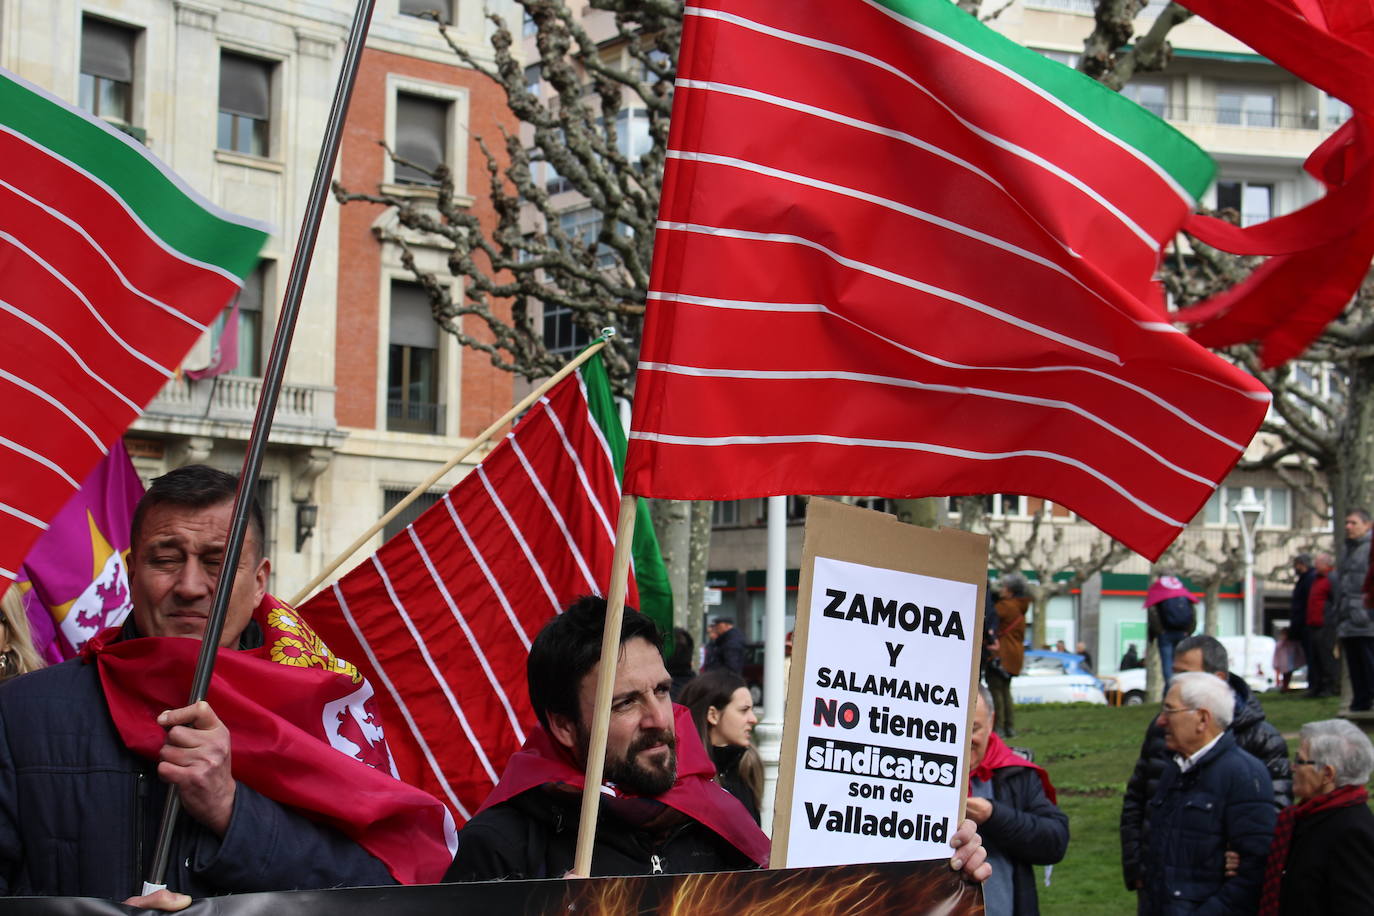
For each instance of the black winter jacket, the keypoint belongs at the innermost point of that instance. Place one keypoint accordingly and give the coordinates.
(1027, 828)
(534, 835)
(727, 760)
(1222, 803)
(1329, 864)
(1252, 733)
(1297, 608)
(1353, 619)
(726, 651)
(79, 812)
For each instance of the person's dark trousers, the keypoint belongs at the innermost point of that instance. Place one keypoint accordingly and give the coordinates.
(1167, 641)
(999, 685)
(1322, 672)
(1359, 651)
(1309, 652)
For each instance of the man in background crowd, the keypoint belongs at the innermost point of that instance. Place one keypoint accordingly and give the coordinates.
(1172, 613)
(1354, 627)
(1212, 798)
(1248, 727)
(726, 649)
(1297, 606)
(1323, 672)
(1012, 801)
(1009, 649)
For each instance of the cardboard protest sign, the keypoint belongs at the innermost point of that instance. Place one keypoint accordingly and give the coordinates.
(884, 674)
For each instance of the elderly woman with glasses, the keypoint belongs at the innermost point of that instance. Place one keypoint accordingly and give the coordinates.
(1322, 859)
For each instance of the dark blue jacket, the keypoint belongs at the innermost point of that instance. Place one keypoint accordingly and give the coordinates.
(1026, 827)
(1254, 735)
(1225, 801)
(79, 812)
(1297, 608)
(726, 651)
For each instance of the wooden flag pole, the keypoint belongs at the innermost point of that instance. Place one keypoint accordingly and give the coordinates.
(482, 438)
(605, 684)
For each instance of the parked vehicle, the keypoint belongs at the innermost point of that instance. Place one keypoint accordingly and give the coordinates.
(1259, 669)
(1056, 677)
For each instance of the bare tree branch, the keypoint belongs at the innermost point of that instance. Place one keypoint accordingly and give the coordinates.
(574, 190)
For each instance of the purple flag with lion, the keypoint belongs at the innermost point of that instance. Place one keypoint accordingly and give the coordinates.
(74, 579)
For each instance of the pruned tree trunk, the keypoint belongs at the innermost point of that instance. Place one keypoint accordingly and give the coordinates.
(698, 558)
(1154, 673)
(922, 512)
(1352, 483)
(1040, 604)
(673, 525)
(1211, 602)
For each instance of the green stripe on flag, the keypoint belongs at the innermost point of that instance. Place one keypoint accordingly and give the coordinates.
(186, 225)
(651, 575)
(1180, 157)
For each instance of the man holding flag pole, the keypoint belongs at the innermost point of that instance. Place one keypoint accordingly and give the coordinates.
(96, 215)
(108, 733)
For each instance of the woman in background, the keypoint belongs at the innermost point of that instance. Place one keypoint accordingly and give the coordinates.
(17, 655)
(1323, 851)
(723, 712)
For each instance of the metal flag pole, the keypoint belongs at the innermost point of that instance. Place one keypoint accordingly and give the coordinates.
(267, 405)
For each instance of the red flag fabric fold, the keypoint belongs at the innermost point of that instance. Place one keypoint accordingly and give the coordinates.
(899, 255)
(307, 737)
(1321, 253)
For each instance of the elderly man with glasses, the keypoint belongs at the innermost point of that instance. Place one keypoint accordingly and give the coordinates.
(1212, 797)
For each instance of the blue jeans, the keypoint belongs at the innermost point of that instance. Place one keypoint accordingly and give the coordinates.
(1167, 641)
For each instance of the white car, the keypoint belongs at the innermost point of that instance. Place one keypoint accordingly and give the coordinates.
(1055, 677)
(1259, 670)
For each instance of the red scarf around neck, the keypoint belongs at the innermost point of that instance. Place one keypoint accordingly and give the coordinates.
(999, 756)
(543, 761)
(304, 732)
(1344, 797)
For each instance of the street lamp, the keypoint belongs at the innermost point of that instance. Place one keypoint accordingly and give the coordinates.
(1248, 512)
(768, 733)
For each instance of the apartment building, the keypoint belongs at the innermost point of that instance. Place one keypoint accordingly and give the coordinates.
(234, 95)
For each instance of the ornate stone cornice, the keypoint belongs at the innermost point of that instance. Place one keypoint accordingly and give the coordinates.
(196, 15)
(315, 44)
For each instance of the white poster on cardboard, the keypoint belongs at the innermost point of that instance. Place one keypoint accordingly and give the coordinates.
(883, 713)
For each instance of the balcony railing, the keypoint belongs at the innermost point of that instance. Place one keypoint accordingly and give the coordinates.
(234, 399)
(1238, 117)
(414, 417)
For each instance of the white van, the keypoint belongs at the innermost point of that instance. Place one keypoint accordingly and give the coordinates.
(1258, 669)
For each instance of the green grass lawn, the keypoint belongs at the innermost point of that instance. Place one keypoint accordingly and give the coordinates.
(1090, 752)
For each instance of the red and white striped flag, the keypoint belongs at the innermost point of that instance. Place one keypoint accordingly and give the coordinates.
(900, 255)
(441, 618)
(110, 268)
